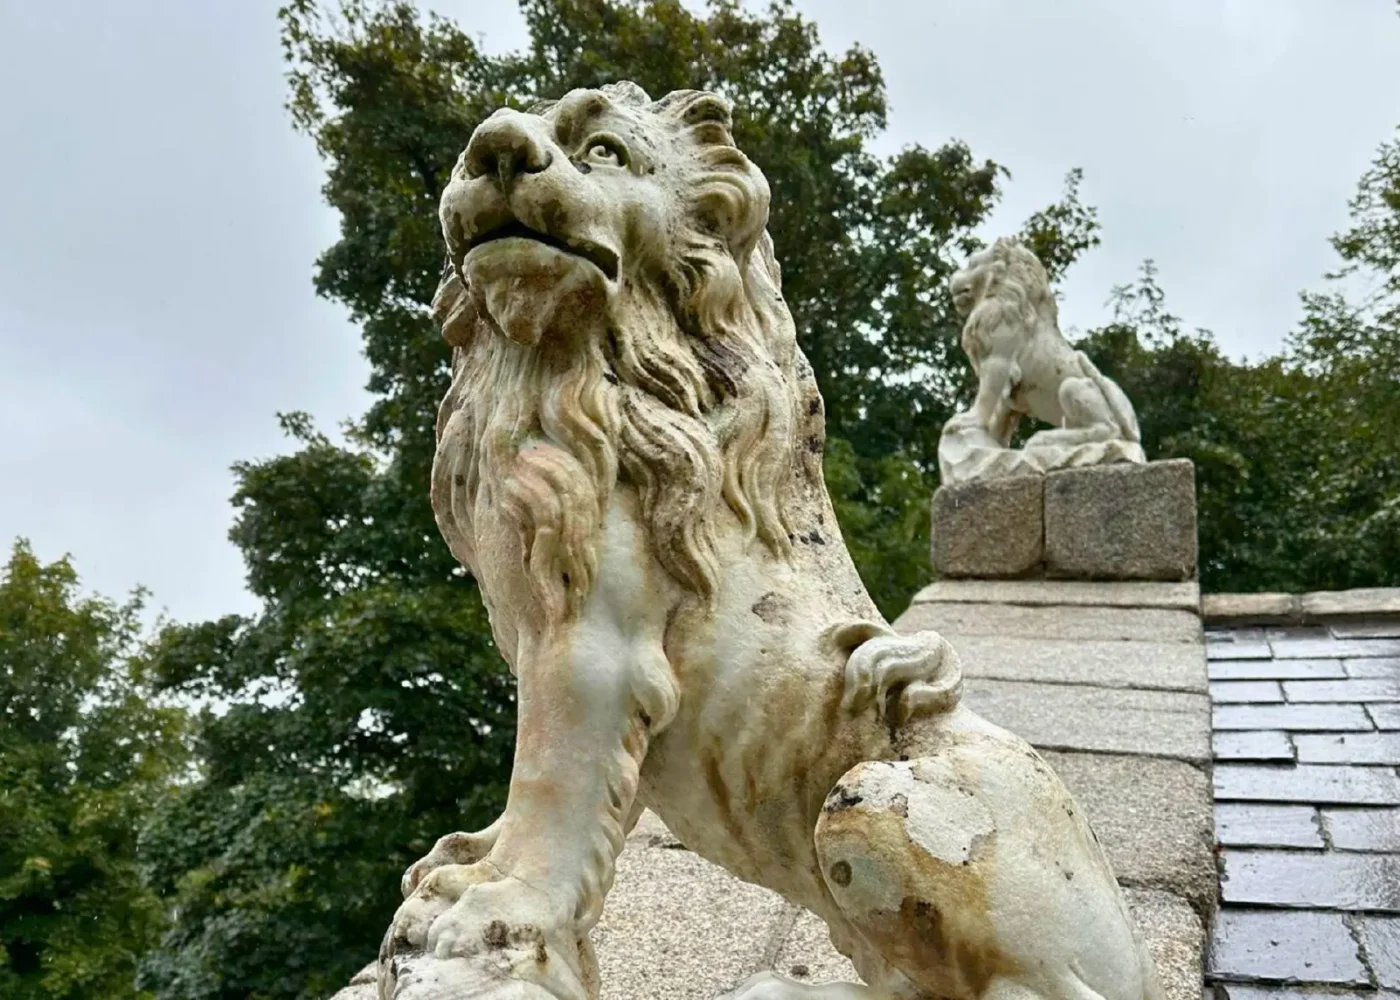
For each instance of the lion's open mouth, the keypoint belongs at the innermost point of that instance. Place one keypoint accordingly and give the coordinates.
(599, 256)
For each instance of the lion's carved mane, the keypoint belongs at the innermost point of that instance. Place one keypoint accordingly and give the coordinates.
(1014, 291)
(689, 398)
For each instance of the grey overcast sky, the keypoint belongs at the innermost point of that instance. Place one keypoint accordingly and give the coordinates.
(159, 219)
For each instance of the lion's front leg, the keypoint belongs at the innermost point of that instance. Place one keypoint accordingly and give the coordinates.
(592, 691)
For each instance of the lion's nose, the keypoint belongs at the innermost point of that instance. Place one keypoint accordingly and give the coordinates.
(506, 145)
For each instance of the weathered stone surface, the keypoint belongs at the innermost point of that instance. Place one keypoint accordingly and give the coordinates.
(1363, 829)
(650, 941)
(1351, 603)
(1384, 716)
(1122, 522)
(1175, 937)
(1324, 784)
(1282, 947)
(1168, 666)
(1333, 880)
(1348, 748)
(1294, 718)
(1267, 669)
(1378, 666)
(989, 529)
(1107, 720)
(1245, 692)
(1120, 594)
(1253, 744)
(651, 832)
(1076, 622)
(1245, 824)
(1380, 937)
(1370, 689)
(363, 986)
(807, 954)
(1244, 609)
(1152, 816)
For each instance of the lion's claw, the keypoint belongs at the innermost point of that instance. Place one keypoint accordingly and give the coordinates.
(453, 849)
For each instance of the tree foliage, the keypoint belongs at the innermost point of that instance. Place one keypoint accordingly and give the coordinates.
(84, 755)
(1297, 456)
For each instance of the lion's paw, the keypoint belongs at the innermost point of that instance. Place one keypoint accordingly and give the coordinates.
(505, 915)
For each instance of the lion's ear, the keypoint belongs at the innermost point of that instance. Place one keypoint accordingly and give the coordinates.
(455, 311)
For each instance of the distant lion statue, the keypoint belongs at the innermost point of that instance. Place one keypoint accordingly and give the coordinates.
(629, 462)
(1025, 367)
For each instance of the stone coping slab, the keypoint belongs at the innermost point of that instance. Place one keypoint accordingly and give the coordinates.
(1107, 594)
(1154, 818)
(1169, 724)
(1123, 665)
(1158, 625)
(1323, 605)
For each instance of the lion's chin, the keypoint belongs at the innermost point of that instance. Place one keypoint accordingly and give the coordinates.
(529, 288)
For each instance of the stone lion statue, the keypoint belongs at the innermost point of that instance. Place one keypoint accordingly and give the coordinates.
(629, 460)
(1025, 367)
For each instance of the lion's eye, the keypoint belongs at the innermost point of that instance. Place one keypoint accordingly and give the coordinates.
(606, 150)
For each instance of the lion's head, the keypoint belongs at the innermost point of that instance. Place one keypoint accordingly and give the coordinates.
(1005, 282)
(616, 314)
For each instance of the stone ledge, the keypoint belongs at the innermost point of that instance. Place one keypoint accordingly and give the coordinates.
(1154, 817)
(1148, 666)
(1169, 724)
(1293, 609)
(1077, 623)
(1174, 935)
(1120, 594)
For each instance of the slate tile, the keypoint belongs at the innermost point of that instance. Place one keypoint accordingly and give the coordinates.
(1245, 692)
(1296, 633)
(1252, 744)
(1238, 651)
(1357, 691)
(1330, 880)
(1380, 937)
(1385, 716)
(1295, 718)
(1324, 784)
(1248, 991)
(1348, 748)
(1292, 649)
(1224, 634)
(1377, 629)
(1282, 670)
(1379, 666)
(1284, 947)
(1246, 824)
(1363, 829)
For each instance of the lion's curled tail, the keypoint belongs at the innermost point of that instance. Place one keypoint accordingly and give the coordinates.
(902, 676)
(1123, 413)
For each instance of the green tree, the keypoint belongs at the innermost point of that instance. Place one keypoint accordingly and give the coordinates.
(1297, 456)
(371, 712)
(83, 756)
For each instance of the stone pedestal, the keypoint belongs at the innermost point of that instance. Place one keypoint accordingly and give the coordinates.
(1106, 522)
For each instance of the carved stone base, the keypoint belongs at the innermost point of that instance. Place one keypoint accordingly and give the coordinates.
(1110, 522)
